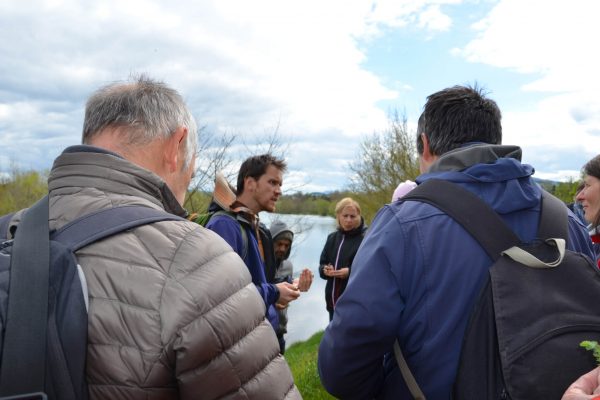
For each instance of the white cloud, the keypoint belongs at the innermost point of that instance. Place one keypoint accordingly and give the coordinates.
(555, 39)
(554, 42)
(552, 139)
(399, 13)
(242, 65)
(434, 20)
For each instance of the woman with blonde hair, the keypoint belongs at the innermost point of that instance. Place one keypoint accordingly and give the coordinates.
(339, 251)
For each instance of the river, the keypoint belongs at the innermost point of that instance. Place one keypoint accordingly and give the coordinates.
(308, 314)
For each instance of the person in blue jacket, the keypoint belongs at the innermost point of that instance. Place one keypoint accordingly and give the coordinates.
(418, 273)
(258, 188)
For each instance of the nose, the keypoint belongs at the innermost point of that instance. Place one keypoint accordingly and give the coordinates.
(580, 195)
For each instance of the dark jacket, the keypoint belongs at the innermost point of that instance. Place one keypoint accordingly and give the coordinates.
(417, 276)
(349, 243)
(284, 269)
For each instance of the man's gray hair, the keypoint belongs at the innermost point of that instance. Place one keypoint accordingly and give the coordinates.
(146, 109)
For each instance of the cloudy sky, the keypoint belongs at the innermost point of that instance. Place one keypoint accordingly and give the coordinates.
(323, 73)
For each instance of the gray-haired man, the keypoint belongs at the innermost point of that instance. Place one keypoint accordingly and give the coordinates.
(162, 322)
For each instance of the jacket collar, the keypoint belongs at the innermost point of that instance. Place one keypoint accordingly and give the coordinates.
(356, 231)
(244, 214)
(108, 171)
(474, 153)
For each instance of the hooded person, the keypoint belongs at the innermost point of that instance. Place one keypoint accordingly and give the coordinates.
(283, 238)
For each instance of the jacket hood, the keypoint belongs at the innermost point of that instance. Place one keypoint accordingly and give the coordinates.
(474, 153)
(477, 165)
(279, 228)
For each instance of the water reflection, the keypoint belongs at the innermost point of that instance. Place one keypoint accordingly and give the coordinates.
(308, 314)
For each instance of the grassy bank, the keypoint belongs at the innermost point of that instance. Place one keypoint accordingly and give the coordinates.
(302, 358)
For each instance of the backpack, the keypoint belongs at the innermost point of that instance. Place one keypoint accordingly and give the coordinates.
(202, 219)
(43, 318)
(539, 302)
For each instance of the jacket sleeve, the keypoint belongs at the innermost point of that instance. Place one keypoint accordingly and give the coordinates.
(364, 325)
(285, 272)
(324, 256)
(268, 292)
(357, 244)
(579, 239)
(213, 322)
(230, 231)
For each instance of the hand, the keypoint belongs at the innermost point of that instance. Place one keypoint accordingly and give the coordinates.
(287, 292)
(341, 273)
(305, 280)
(328, 270)
(586, 387)
(280, 306)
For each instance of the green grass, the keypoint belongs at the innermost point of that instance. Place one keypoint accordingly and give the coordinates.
(302, 358)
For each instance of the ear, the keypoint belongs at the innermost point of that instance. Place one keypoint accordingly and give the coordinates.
(173, 147)
(249, 184)
(427, 157)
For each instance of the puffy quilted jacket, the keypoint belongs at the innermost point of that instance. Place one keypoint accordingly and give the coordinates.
(173, 312)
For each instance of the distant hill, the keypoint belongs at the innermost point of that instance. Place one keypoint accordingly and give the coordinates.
(546, 183)
(563, 190)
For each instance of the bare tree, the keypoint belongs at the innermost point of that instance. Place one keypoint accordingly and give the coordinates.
(270, 142)
(385, 159)
(213, 154)
(222, 152)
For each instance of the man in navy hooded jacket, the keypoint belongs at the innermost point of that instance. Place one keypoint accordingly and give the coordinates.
(258, 188)
(418, 272)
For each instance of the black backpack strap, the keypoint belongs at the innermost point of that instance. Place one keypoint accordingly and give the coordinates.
(472, 213)
(104, 223)
(554, 219)
(24, 347)
(244, 234)
(476, 217)
(24, 350)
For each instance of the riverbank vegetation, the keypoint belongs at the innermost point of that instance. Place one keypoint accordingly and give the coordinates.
(384, 160)
(21, 189)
